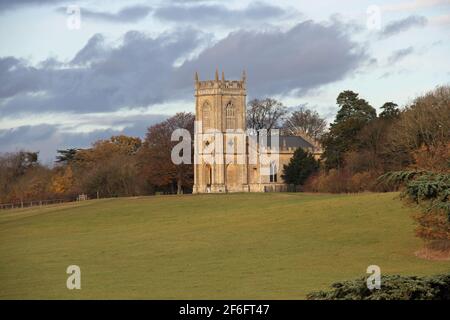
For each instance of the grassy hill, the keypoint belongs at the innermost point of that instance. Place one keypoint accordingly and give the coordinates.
(270, 246)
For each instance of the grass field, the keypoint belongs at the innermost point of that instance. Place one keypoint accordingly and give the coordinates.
(255, 246)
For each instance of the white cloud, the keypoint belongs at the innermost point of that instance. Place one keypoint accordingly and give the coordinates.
(413, 5)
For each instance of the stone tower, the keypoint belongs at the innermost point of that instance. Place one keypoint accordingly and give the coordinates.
(220, 106)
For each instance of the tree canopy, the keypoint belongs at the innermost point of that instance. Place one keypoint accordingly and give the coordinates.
(306, 121)
(353, 114)
(300, 167)
(265, 114)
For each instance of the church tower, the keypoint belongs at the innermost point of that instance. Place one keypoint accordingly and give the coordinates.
(220, 106)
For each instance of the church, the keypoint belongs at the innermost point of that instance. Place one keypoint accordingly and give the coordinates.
(227, 157)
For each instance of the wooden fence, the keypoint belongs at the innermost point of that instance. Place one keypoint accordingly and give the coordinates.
(27, 204)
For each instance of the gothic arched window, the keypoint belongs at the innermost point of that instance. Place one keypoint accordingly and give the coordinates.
(230, 116)
(206, 111)
(273, 172)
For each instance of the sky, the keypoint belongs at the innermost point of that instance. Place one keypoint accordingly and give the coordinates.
(73, 72)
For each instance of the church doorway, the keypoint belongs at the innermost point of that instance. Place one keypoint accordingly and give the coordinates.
(208, 178)
(232, 176)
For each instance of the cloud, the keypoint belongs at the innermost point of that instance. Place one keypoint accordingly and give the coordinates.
(126, 15)
(413, 5)
(47, 138)
(398, 55)
(138, 72)
(141, 71)
(94, 51)
(214, 14)
(442, 20)
(17, 78)
(399, 26)
(393, 73)
(25, 134)
(305, 57)
(13, 5)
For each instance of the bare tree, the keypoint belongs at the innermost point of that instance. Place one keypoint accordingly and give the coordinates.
(423, 124)
(307, 121)
(265, 114)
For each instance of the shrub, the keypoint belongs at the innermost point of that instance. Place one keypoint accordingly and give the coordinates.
(393, 287)
(431, 191)
(361, 181)
(434, 228)
(433, 158)
(341, 181)
(333, 181)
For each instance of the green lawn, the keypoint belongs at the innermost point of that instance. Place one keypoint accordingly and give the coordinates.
(249, 246)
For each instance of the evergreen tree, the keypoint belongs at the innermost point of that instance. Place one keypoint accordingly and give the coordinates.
(300, 167)
(354, 114)
(66, 156)
(390, 111)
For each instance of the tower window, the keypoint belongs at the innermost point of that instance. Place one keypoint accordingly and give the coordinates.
(230, 116)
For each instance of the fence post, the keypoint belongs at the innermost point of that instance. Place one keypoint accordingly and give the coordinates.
(27, 204)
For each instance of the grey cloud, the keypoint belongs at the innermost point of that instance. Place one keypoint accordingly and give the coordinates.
(16, 78)
(141, 71)
(214, 14)
(305, 57)
(26, 134)
(31, 138)
(47, 138)
(137, 73)
(398, 55)
(398, 26)
(8, 63)
(12, 5)
(125, 15)
(385, 75)
(94, 50)
(128, 14)
(192, 1)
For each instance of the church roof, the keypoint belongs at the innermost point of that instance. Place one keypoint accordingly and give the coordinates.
(294, 142)
(286, 142)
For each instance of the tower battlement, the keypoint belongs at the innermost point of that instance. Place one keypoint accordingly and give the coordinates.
(228, 84)
(220, 83)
